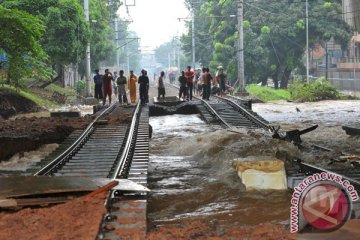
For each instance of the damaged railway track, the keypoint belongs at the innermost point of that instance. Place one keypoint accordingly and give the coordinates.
(119, 152)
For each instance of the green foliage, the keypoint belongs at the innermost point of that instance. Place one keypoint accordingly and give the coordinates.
(20, 35)
(66, 30)
(80, 86)
(265, 30)
(267, 93)
(275, 37)
(162, 52)
(246, 24)
(321, 89)
(300, 24)
(327, 4)
(56, 88)
(35, 97)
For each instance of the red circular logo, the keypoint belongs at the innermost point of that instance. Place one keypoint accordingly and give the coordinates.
(326, 206)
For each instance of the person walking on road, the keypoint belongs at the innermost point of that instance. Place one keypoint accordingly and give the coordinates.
(189, 74)
(131, 85)
(107, 86)
(121, 83)
(182, 80)
(98, 85)
(143, 87)
(161, 86)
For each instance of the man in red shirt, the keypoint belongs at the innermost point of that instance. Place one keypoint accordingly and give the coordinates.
(107, 86)
(189, 74)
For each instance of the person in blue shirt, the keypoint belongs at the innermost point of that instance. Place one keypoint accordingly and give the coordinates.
(98, 85)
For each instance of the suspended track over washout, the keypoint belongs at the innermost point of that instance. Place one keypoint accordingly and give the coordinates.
(120, 150)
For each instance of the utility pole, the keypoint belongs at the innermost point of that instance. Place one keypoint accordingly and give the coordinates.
(326, 61)
(87, 54)
(307, 42)
(127, 57)
(117, 41)
(240, 49)
(193, 35)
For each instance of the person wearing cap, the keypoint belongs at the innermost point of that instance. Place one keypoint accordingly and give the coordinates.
(189, 74)
(131, 85)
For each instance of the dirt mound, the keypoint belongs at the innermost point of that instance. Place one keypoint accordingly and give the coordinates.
(12, 103)
(214, 230)
(26, 134)
(76, 219)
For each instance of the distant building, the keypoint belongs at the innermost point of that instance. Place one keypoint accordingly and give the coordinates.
(343, 67)
(351, 13)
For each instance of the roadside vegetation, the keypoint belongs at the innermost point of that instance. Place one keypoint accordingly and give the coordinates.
(321, 89)
(268, 93)
(274, 41)
(298, 91)
(43, 97)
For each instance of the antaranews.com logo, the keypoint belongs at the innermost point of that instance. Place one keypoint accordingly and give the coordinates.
(323, 200)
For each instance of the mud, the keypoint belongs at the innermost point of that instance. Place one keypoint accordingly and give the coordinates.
(12, 104)
(183, 108)
(213, 230)
(76, 219)
(25, 134)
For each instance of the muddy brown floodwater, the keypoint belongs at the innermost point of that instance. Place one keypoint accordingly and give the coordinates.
(197, 194)
(192, 178)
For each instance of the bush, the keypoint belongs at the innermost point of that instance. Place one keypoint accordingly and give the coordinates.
(80, 86)
(267, 93)
(321, 89)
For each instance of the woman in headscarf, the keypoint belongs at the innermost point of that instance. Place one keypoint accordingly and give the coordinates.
(131, 85)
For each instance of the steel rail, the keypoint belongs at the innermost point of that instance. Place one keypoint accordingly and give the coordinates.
(122, 160)
(209, 106)
(248, 114)
(215, 113)
(307, 168)
(75, 146)
(245, 112)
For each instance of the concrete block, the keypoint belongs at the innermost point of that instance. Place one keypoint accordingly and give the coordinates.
(258, 173)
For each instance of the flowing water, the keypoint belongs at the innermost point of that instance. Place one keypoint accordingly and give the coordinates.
(329, 115)
(22, 161)
(191, 174)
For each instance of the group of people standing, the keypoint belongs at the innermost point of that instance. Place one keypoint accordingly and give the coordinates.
(202, 82)
(104, 85)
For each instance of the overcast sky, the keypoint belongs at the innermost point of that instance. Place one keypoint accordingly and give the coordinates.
(156, 21)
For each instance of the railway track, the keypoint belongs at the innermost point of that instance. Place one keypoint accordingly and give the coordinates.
(233, 114)
(118, 151)
(230, 112)
(92, 154)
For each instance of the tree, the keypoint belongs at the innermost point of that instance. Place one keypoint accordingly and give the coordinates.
(21, 33)
(274, 35)
(66, 30)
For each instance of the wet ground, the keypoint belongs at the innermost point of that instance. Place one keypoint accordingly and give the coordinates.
(329, 115)
(191, 173)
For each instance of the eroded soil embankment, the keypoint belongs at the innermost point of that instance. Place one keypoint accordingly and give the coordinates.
(28, 134)
(12, 104)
